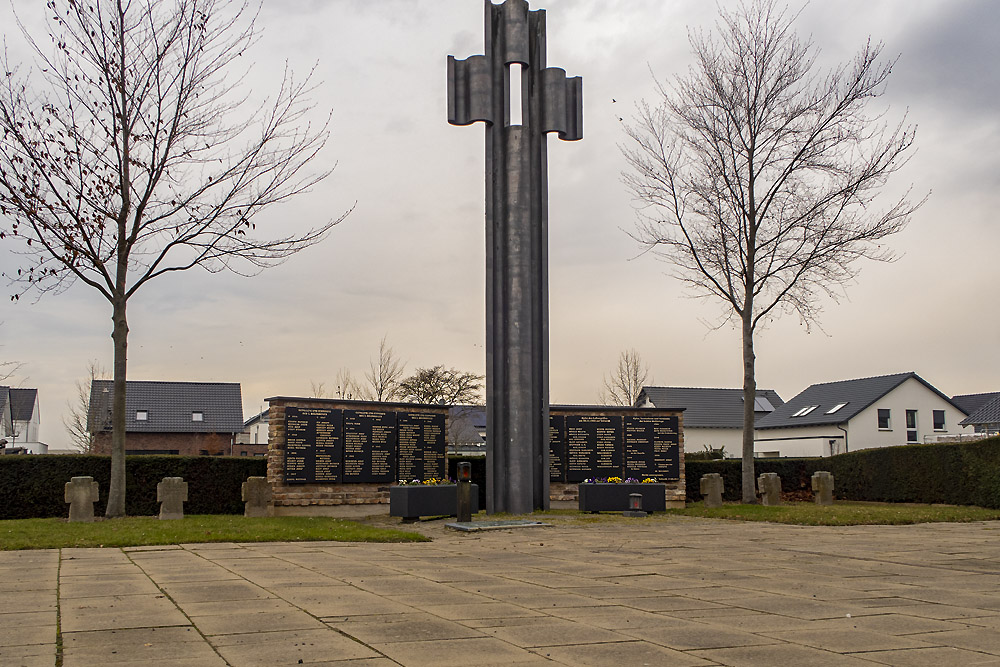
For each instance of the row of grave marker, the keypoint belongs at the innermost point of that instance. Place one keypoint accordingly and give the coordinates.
(172, 492)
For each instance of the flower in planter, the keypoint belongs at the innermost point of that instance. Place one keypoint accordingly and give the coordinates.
(619, 480)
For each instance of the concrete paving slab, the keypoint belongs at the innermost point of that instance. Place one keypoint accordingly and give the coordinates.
(458, 653)
(612, 617)
(621, 653)
(265, 621)
(928, 657)
(847, 640)
(985, 640)
(553, 632)
(480, 610)
(116, 612)
(214, 591)
(127, 584)
(35, 655)
(417, 626)
(23, 602)
(779, 654)
(138, 646)
(289, 648)
(26, 635)
(341, 601)
(685, 636)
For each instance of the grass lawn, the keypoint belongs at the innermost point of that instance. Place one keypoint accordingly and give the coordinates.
(843, 513)
(143, 530)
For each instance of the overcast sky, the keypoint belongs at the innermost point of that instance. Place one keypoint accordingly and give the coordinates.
(409, 262)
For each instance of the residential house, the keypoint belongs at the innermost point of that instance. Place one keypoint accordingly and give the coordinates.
(19, 421)
(984, 412)
(712, 417)
(252, 440)
(837, 417)
(25, 419)
(6, 422)
(188, 418)
(467, 430)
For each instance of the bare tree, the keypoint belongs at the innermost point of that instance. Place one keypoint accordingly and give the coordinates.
(758, 176)
(347, 386)
(318, 389)
(442, 385)
(383, 376)
(128, 154)
(75, 421)
(623, 384)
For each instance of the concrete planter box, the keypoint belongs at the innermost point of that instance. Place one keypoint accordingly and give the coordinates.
(411, 502)
(614, 497)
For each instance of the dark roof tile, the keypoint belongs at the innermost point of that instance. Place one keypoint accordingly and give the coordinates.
(169, 406)
(707, 408)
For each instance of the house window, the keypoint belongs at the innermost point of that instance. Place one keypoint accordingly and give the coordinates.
(243, 452)
(804, 411)
(197, 416)
(884, 423)
(835, 408)
(939, 420)
(141, 415)
(911, 419)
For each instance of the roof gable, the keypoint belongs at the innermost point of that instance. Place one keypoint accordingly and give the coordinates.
(971, 403)
(853, 396)
(169, 407)
(989, 413)
(708, 408)
(22, 404)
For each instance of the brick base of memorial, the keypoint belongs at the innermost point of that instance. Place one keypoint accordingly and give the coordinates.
(615, 497)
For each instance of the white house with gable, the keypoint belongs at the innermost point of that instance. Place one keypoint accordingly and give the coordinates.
(837, 417)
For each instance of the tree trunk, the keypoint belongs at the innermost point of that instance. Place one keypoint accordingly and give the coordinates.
(116, 491)
(749, 396)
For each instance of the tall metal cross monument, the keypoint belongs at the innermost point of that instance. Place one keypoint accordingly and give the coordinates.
(520, 100)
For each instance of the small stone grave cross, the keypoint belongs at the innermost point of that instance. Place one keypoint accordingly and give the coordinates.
(81, 493)
(172, 493)
(822, 486)
(256, 495)
(769, 488)
(711, 489)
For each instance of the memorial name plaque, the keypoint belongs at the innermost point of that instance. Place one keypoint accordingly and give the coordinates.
(652, 447)
(314, 445)
(557, 448)
(369, 446)
(593, 446)
(421, 445)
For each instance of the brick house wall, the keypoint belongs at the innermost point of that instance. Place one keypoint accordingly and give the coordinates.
(185, 444)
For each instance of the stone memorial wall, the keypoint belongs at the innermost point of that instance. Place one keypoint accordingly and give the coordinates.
(330, 452)
(590, 442)
(327, 452)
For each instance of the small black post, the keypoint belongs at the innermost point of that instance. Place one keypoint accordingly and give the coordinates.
(464, 491)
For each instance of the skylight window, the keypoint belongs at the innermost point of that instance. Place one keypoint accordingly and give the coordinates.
(141, 415)
(761, 404)
(197, 416)
(804, 411)
(835, 408)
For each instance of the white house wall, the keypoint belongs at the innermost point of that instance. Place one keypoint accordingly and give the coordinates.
(862, 430)
(911, 395)
(802, 441)
(695, 440)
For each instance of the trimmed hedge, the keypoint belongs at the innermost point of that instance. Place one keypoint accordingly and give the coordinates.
(32, 486)
(966, 473)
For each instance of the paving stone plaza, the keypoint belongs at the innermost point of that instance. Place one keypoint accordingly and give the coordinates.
(615, 592)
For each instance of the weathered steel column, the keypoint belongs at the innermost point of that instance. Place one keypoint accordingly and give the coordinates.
(517, 331)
